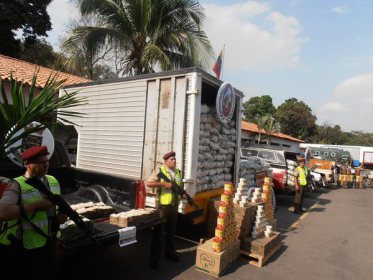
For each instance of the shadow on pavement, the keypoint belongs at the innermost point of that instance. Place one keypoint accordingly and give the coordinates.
(244, 261)
(130, 262)
(284, 212)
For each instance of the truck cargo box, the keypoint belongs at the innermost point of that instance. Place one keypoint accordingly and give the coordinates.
(130, 123)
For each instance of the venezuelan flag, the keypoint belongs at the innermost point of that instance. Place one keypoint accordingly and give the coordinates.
(217, 66)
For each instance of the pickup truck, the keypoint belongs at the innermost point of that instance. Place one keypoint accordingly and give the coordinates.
(80, 185)
(279, 160)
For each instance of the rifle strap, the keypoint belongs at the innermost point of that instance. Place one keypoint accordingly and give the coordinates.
(34, 227)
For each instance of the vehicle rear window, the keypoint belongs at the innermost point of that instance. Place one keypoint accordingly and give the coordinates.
(267, 155)
(249, 153)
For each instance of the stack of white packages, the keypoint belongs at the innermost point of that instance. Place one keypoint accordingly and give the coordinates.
(241, 196)
(292, 165)
(217, 144)
(269, 231)
(260, 222)
(257, 195)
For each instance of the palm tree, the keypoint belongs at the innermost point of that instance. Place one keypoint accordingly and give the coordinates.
(81, 56)
(268, 124)
(152, 34)
(19, 112)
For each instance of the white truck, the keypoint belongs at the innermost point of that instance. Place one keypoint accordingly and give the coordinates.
(130, 123)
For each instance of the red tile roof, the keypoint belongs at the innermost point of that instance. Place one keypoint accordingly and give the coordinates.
(252, 127)
(23, 71)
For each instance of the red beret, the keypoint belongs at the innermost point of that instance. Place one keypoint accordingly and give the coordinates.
(302, 160)
(168, 155)
(34, 152)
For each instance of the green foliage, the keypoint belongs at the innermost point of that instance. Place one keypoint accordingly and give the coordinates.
(329, 134)
(268, 124)
(29, 16)
(38, 52)
(296, 119)
(258, 106)
(150, 33)
(17, 111)
(358, 138)
(82, 56)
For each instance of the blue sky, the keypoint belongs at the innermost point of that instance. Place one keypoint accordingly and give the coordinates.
(318, 51)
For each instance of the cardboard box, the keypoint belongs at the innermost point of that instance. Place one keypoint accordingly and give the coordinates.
(263, 246)
(236, 250)
(244, 217)
(215, 263)
(246, 244)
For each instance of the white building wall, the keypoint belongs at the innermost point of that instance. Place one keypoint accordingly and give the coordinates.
(275, 142)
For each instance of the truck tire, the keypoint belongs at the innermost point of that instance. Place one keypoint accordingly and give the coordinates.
(96, 193)
(60, 157)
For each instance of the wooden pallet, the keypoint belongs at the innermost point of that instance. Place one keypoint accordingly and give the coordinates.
(260, 261)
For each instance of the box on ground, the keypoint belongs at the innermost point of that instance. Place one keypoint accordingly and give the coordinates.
(215, 263)
(262, 249)
(263, 246)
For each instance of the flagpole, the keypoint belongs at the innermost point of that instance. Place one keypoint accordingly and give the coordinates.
(222, 63)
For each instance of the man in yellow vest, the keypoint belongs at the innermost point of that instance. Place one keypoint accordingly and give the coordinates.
(168, 210)
(301, 176)
(29, 237)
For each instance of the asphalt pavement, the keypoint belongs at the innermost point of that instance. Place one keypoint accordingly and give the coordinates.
(332, 240)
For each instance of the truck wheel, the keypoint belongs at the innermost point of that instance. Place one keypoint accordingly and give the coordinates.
(96, 193)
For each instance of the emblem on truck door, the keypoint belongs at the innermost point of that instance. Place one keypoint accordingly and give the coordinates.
(225, 102)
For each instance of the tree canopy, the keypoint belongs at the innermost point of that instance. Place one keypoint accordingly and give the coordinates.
(258, 106)
(151, 34)
(29, 16)
(38, 52)
(329, 134)
(296, 119)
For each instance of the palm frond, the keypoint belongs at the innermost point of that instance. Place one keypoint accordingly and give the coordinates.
(167, 33)
(44, 107)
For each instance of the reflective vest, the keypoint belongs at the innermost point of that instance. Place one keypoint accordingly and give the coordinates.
(31, 238)
(302, 175)
(167, 196)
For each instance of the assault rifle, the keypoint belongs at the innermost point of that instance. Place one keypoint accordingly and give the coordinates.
(63, 206)
(179, 190)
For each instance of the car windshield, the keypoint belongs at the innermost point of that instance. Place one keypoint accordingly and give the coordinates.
(268, 156)
(248, 152)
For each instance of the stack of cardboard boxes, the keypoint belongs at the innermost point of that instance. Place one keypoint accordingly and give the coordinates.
(217, 253)
(245, 218)
(239, 226)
